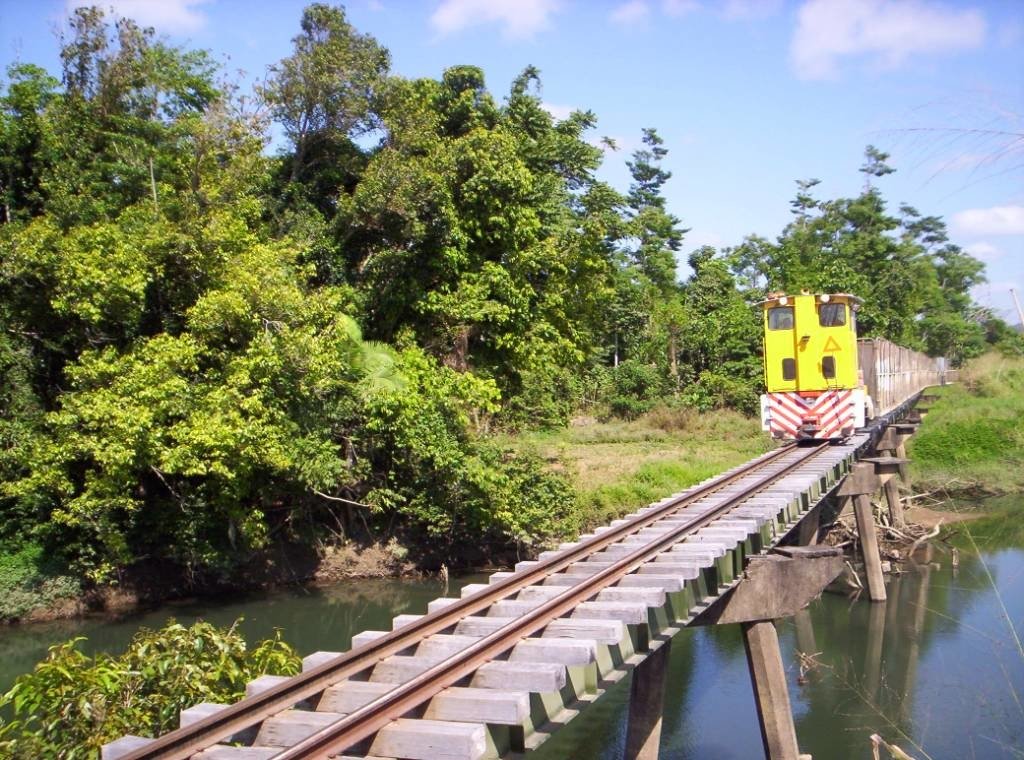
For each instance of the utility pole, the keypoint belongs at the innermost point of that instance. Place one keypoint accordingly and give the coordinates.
(1020, 314)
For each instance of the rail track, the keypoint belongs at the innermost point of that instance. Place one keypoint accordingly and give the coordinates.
(596, 564)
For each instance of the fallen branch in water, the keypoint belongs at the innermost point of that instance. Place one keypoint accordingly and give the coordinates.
(892, 749)
(926, 537)
(858, 585)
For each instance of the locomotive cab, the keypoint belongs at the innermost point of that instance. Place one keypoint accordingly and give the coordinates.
(813, 384)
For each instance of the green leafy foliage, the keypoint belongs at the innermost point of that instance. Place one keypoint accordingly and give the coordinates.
(29, 579)
(72, 703)
(448, 485)
(637, 387)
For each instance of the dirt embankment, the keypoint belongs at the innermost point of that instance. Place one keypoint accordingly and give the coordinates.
(147, 585)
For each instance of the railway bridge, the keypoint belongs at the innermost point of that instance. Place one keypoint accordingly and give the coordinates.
(496, 671)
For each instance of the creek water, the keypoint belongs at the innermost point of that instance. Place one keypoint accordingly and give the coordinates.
(937, 670)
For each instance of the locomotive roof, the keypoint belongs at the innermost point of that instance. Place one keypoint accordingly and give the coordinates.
(774, 298)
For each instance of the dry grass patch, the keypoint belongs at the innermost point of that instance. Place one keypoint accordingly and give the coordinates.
(618, 466)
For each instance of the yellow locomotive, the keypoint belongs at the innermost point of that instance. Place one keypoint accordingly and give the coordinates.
(814, 387)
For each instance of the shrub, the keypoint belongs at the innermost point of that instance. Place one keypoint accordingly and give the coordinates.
(27, 581)
(718, 390)
(637, 386)
(455, 488)
(71, 704)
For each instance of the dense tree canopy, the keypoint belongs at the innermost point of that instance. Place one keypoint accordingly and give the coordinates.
(207, 345)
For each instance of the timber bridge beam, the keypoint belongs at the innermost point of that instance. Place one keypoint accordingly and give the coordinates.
(494, 672)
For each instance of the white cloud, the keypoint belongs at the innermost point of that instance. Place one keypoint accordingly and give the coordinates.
(984, 251)
(519, 19)
(679, 7)
(998, 220)
(634, 11)
(168, 16)
(631, 12)
(883, 32)
(558, 111)
(747, 10)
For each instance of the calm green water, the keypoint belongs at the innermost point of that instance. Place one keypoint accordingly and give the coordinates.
(936, 670)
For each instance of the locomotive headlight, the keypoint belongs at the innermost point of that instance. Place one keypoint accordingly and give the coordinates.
(825, 298)
(783, 301)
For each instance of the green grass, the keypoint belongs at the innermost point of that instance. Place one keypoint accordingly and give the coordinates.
(973, 437)
(616, 467)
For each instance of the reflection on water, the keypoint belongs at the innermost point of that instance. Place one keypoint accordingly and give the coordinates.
(935, 670)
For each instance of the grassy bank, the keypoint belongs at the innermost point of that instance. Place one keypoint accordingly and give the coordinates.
(972, 440)
(618, 466)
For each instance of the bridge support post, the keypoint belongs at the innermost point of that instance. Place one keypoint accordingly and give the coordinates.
(646, 705)
(887, 469)
(892, 498)
(869, 546)
(771, 695)
(894, 441)
(860, 484)
(901, 453)
(773, 586)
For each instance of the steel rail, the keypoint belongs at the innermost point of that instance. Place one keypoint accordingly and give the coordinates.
(365, 722)
(184, 742)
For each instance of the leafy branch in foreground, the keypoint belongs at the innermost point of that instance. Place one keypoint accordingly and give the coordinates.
(71, 704)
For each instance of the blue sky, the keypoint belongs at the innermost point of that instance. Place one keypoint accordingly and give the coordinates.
(749, 95)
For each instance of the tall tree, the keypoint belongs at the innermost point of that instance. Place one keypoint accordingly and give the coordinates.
(324, 94)
(30, 90)
(480, 228)
(128, 97)
(657, 232)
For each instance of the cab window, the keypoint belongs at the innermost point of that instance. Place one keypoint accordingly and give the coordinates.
(780, 318)
(789, 369)
(828, 367)
(832, 314)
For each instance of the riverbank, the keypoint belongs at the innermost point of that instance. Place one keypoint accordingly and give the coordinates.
(28, 597)
(972, 441)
